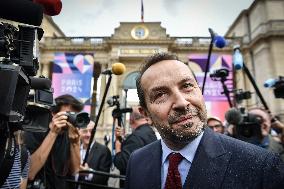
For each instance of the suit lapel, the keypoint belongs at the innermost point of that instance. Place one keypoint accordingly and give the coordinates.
(155, 166)
(209, 164)
(91, 157)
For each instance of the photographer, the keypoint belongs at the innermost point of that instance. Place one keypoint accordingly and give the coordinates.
(267, 140)
(56, 153)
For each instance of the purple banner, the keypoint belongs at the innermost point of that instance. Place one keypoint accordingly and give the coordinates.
(216, 102)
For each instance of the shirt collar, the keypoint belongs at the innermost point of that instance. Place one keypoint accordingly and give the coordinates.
(188, 152)
(82, 149)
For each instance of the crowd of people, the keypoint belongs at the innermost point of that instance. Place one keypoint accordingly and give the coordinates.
(190, 149)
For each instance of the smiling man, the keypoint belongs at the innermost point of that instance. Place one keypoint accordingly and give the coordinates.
(190, 155)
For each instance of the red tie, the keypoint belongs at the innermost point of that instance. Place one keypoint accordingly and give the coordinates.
(173, 178)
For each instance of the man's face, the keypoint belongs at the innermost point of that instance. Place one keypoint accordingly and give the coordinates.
(266, 123)
(85, 134)
(174, 101)
(216, 126)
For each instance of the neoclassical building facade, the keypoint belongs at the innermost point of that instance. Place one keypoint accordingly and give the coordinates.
(259, 30)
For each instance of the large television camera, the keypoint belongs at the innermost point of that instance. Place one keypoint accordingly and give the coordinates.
(247, 126)
(19, 51)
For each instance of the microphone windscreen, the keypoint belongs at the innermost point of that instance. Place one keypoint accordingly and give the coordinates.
(233, 116)
(219, 41)
(118, 68)
(51, 7)
(269, 83)
(22, 11)
(40, 83)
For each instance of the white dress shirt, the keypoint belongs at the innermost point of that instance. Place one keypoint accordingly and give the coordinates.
(188, 153)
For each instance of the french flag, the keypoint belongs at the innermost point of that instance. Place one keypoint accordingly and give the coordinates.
(142, 11)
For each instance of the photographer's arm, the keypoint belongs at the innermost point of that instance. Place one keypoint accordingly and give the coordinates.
(39, 157)
(118, 138)
(74, 139)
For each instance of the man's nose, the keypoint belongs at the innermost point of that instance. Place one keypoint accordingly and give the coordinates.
(180, 100)
(88, 133)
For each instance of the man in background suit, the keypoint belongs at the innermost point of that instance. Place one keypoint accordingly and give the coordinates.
(189, 154)
(99, 158)
(142, 134)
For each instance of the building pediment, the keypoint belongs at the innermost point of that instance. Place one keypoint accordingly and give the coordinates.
(140, 31)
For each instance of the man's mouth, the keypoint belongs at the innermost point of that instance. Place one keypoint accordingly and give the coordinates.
(182, 120)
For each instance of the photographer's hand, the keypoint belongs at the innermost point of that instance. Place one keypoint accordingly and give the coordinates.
(73, 133)
(118, 140)
(58, 122)
(74, 138)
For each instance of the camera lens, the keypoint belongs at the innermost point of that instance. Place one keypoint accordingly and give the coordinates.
(80, 120)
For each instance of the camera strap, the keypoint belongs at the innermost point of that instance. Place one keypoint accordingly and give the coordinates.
(8, 158)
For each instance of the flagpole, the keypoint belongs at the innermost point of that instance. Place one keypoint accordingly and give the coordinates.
(142, 11)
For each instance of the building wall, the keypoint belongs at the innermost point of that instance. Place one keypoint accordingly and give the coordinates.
(262, 47)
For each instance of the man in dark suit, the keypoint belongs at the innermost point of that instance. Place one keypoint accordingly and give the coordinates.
(190, 155)
(99, 158)
(142, 135)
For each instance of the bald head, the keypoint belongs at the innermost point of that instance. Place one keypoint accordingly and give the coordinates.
(136, 118)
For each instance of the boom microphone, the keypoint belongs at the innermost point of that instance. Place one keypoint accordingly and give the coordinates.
(51, 7)
(270, 83)
(40, 83)
(233, 116)
(23, 11)
(116, 68)
(238, 61)
(219, 41)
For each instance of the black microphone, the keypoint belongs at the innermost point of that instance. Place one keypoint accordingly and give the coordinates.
(40, 83)
(234, 116)
(219, 41)
(23, 11)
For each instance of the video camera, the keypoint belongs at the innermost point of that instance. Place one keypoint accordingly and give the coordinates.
(241, 95)
(117, 112)
(19, 51)
(219, 74)
(247, 126)
(113, 101)
(278, 85)
(18, 62)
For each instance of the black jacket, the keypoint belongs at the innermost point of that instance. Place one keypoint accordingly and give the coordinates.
(99, 159)
(140, 137)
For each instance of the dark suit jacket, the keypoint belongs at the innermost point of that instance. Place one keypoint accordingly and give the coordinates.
(100, 160)
(140, 137)
(219, 162)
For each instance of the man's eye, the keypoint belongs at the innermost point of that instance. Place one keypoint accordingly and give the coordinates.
(158, 97)
(187, 85)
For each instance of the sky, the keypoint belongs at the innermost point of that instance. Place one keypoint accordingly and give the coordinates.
(180, 17)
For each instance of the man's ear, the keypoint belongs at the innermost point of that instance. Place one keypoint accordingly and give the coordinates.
(143, 111)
